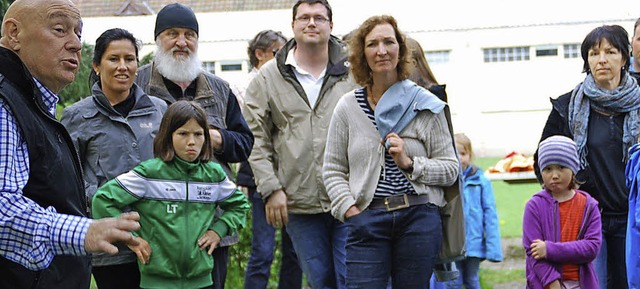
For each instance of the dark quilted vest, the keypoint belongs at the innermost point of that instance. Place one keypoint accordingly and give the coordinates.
(55, 178)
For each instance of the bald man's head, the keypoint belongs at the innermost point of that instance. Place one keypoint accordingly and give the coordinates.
(24, 9)
(45, 34)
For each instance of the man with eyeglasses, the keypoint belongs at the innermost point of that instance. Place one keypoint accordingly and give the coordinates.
(288, 107)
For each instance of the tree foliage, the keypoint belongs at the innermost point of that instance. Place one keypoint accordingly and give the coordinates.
(146, 59)
(79, 88)
(4, 4)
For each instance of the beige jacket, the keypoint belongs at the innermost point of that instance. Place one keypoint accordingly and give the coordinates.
(290, 135)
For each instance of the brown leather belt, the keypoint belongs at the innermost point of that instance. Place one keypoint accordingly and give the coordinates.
(397, 202)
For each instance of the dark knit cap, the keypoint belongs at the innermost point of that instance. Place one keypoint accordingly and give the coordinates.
(175, 15)
(558, 150)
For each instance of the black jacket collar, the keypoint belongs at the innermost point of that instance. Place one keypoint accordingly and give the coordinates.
(13, 69)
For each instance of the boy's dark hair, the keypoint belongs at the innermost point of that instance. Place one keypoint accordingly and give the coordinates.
(615, 35)
(325, 3)
(177, 114)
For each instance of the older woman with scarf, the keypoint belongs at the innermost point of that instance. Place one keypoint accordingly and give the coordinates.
(388, 158)
(601, 116)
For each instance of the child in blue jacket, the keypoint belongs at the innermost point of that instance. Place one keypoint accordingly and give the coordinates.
(481, 218)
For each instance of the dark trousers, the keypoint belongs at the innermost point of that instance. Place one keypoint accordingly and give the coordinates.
(263, 243)
(121, 276)
(64, 272)
(402, 244)
(220, 260)
(319, 241)
(610, 263)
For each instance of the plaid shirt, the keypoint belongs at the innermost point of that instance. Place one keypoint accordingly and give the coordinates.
(31, 235)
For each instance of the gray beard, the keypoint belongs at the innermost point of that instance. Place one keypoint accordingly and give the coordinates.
(177, 69)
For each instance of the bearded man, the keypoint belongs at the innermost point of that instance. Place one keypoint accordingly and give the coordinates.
(176, 73)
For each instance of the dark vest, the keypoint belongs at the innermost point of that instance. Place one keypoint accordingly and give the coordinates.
(211, 93)
(55, 177)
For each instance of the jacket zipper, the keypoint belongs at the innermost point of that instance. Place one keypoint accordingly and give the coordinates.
(185, 262)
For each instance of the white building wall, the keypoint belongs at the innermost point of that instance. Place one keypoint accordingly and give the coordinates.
(502, 106)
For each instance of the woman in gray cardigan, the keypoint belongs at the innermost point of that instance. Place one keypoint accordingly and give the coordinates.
(388, 159)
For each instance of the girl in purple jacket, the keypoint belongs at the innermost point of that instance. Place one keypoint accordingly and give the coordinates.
(561, 226)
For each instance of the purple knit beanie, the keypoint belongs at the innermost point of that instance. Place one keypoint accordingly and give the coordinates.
(558, 150)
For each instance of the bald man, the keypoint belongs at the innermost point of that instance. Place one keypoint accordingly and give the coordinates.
(45, 236)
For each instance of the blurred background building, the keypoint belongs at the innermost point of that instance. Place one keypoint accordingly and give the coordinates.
(501, 59)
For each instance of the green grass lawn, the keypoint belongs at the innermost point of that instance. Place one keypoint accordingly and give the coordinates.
(510, 200)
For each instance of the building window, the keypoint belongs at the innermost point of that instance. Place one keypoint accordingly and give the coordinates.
(440, 56)
(506, 54)
(546, 51)
(231, 67)
(571, 50)
(209, 66)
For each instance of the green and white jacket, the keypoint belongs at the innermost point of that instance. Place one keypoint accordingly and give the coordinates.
(176, 201)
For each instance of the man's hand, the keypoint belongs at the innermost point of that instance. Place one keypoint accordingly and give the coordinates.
(276, 209)
(216, 139)
(210, 240)
(539, 249)
(103, 232)
(142, 250)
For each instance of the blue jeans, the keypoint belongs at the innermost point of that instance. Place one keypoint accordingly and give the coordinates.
(610, 263)
(402, 244)
(468, 268)
(319, 241)
(263, 242)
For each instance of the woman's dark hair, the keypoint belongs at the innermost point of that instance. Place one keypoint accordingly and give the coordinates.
(177, 114)
(325, 3)
(102, 43)
(263, 40)
(359, 68)
(615, 35)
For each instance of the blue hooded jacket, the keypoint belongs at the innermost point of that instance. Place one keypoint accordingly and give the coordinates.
(481, 217)
(633, 224)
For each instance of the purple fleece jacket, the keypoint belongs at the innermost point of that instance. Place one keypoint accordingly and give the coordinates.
(542, 221)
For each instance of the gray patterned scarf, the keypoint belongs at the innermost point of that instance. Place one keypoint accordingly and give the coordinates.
(623, 99)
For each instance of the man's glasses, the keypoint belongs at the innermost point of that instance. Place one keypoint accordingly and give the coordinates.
(274, 51)
(305, 19)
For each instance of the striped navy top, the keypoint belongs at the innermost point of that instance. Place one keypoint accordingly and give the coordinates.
(391, 181)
